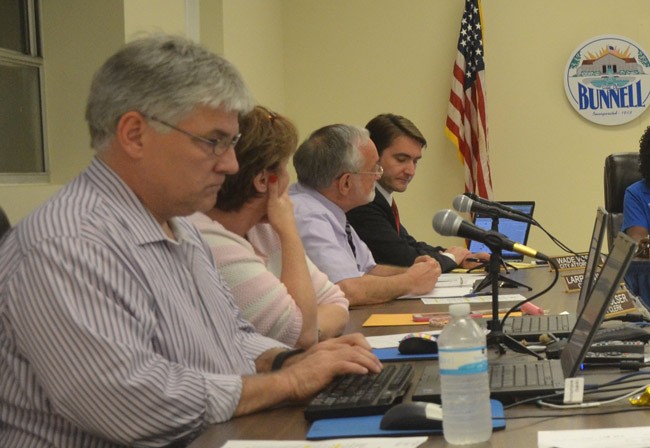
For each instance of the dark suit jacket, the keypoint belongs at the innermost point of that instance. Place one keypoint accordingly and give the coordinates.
(375, 224)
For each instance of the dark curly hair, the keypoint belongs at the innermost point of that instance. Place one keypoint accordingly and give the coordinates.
(267, 140)
(644, 155)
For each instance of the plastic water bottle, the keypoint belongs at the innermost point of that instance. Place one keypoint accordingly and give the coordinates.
(466, 412)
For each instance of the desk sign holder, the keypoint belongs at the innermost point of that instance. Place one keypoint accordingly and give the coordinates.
(620, 305)
(578, 261)
(573, 282)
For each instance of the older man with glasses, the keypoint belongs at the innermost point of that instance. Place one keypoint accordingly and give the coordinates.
(337, 168)
(116, 329)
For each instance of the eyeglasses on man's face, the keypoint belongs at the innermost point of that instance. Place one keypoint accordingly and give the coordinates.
(217, 146)
(377, 171)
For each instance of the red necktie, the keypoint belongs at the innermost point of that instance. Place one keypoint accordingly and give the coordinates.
(396, 214)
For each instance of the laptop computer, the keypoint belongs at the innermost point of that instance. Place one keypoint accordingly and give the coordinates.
(593, 258)
(510, 380)
(516, 231)
(531, 328)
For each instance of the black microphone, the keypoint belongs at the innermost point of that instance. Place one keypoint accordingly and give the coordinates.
(463, 203)
(480, 200)
(448, 223)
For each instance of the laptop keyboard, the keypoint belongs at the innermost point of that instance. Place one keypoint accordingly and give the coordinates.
(520, 375)
(356, 395)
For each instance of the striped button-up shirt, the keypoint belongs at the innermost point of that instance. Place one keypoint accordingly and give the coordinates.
(110, 332)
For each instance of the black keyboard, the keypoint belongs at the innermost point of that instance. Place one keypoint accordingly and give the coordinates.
(355, 395)
(531, 328)
(550, 323)
(624, 332)
(520, 375)
(507, 381)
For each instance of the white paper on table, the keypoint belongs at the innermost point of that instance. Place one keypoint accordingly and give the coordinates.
(374, 442)
(392, 340)
(472, 299)
(445, 291)
(449, 279)
(450, 285)
(638, 437)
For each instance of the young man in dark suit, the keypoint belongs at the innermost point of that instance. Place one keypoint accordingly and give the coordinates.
(399, 144)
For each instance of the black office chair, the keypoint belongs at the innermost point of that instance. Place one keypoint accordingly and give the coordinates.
(5, 225)
(621, 170)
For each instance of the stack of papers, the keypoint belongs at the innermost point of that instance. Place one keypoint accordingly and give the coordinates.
(384, 442)
(595, 438)
(472, 299)
(451, 285)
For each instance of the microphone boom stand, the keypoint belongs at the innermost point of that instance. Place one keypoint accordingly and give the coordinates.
(488, 279)
(496, 336)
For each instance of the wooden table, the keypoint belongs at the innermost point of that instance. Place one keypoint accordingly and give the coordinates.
(288, 423)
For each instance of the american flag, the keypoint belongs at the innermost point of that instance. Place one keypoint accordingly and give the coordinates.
(466, 119)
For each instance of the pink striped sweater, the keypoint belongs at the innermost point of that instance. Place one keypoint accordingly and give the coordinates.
(252, 269)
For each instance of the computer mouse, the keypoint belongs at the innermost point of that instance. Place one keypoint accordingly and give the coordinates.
(413, 415)
(417, 344)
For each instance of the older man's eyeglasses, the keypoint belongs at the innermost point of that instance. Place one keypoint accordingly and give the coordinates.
(377, 171)
(217, 146)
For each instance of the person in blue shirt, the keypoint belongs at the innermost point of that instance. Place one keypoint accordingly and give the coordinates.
(636, 204)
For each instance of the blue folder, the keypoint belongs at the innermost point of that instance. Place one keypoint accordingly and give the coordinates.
(392, 354)
(368, 426)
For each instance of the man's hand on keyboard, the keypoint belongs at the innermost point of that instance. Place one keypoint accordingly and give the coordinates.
(309, 372)
(303, 375)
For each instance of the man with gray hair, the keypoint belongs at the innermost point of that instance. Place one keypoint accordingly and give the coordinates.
(337, 169)
(116, 329)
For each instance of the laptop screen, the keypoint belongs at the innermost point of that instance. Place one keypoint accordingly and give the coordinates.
(607, 283)
(593, 259)
(515, 230)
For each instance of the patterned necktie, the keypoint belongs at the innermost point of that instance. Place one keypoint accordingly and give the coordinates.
(348, 231)
(396, 214)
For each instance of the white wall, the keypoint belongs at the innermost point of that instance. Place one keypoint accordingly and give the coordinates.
(347, 60)
(147, 16)
(326, 61)
(253, 40)
(541, 148)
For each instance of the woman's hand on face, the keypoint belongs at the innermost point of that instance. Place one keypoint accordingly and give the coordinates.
(279, 209)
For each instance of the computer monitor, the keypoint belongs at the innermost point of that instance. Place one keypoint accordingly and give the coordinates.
(516, 231)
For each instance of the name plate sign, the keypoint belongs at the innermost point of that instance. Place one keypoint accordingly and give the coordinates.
(573, 282)
(578, 261)
(620, 305)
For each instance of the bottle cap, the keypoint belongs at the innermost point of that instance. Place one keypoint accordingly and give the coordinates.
(459, 309)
